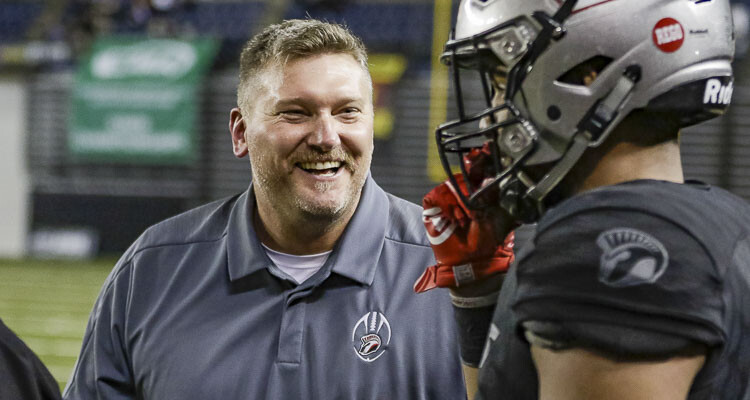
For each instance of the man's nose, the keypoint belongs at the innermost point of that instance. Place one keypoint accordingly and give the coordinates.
(325, 135)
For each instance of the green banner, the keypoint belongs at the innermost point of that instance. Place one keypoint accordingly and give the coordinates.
(134, 100)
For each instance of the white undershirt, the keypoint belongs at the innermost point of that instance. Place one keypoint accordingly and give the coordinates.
(298, 267)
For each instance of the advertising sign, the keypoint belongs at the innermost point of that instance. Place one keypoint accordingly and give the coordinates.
(134, 100)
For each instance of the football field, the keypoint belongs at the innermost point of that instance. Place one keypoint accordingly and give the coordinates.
(47, 304)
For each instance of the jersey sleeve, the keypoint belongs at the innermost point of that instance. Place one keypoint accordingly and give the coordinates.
(103, 369)
(622, 283)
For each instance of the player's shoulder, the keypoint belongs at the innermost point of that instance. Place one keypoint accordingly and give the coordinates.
(695, 206)
(628, 256)
(204, 223)
(10, 344)
(27, 376)
(405, 222)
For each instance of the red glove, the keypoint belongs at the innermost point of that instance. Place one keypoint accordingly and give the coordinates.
(476, 163)
(464, 244)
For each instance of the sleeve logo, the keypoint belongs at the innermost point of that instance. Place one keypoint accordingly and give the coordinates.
(371, 336)
(630, 257)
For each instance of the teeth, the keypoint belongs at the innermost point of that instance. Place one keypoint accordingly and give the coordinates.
(320, 165)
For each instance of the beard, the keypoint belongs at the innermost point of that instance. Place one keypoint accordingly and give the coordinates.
(326, 202)
(327, 210)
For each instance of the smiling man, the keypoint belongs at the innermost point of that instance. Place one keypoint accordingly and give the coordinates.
(309, 135)
(298, 288)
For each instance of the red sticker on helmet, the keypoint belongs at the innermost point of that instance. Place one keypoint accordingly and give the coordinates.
(668, 35)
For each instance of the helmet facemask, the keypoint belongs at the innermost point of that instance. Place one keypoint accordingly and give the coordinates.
(668, 58)
(571, 79)
(509, 51)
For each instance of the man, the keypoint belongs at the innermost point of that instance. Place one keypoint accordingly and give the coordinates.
(635, 283)
(22, 374)
(298, 288)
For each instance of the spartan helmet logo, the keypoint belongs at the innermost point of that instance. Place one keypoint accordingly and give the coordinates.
(371, 336)
(630, 257)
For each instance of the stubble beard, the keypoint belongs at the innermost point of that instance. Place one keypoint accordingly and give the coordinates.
(292, 205)
(334, 210)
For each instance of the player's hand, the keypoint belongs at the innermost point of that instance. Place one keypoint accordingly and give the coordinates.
(467, 245)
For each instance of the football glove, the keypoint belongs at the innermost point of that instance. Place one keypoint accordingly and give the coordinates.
(464, 242)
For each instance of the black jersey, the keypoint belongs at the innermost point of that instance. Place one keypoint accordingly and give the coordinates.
(642, 269)
(22, 374)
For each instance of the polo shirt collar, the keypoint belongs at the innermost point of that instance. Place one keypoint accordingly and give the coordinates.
(245, 254)
(357, 252)
(362, 240)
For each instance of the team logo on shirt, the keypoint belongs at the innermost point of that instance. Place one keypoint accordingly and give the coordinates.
(630, 257)
(371, 336)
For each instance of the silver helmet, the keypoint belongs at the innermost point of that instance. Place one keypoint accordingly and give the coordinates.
(574, 70)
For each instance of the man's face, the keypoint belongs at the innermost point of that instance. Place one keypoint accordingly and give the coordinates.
(309, 135)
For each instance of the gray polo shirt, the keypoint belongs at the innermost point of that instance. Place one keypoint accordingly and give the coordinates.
(196, 310)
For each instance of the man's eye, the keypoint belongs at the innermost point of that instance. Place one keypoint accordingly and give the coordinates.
(350, 111)
(292, 114)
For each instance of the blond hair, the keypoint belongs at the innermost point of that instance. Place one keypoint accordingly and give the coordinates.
(291, 40)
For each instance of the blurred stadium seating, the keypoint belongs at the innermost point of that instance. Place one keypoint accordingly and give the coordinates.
(15, 19)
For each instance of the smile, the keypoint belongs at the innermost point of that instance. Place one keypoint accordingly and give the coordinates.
(327, 168)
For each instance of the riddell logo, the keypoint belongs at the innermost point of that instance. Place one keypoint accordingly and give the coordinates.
(716, 93)
(668, 35)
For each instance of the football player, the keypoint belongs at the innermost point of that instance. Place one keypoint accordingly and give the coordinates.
(635, 284)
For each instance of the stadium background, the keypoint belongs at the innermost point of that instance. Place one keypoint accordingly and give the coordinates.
(66, 218)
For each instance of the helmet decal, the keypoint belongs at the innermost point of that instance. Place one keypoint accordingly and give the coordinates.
(668, 35)
(717, 93)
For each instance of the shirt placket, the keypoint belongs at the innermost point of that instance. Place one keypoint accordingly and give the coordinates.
(292, 330)
(293, 324)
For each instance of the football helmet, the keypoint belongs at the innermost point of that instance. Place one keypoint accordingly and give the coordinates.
(572, 70)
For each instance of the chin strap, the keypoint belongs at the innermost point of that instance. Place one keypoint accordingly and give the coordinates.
(598, 119)
(539, 191)
(591, 133)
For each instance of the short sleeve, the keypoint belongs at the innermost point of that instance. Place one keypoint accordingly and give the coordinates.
(620, 282)
(103, 369)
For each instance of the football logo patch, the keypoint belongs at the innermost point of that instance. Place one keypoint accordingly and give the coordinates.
(630, 257)
(371, 336)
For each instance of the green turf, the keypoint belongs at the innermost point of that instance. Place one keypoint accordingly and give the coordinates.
(47, 303)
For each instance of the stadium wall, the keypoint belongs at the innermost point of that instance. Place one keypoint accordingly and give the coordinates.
(14, 175)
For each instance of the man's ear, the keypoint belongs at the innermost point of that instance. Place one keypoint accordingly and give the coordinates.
(237, 129)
